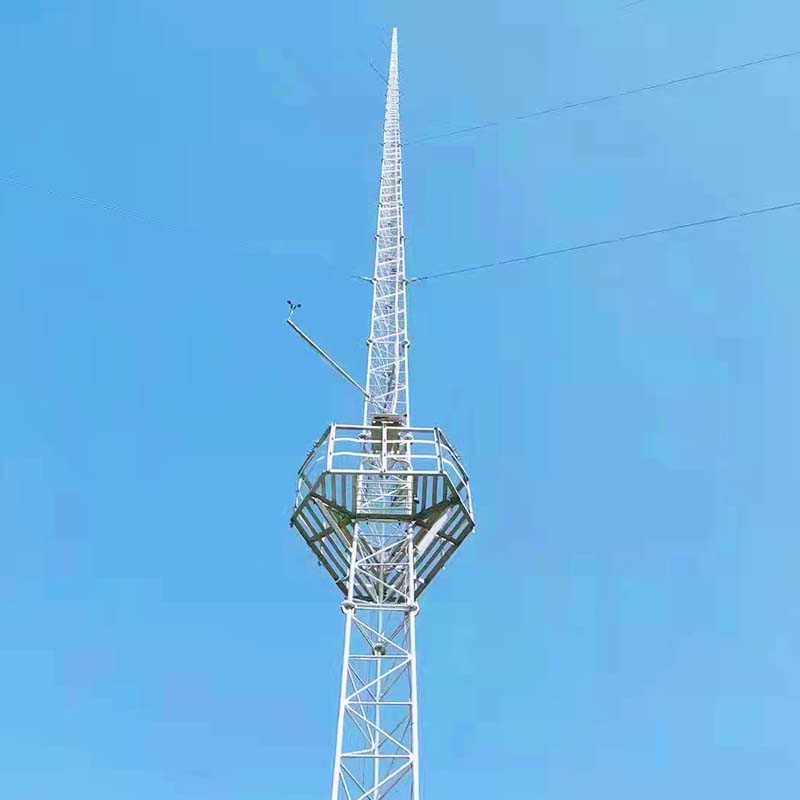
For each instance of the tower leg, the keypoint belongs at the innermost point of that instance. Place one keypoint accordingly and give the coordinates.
(377, 735)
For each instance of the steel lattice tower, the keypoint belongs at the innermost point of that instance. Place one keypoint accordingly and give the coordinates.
(383, 506)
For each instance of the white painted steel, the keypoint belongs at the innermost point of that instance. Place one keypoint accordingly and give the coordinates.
(383, 506)
(387, 360)
(381, 473)
(329, 359)
(377, 753)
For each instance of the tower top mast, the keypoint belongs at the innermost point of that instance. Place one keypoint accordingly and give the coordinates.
(387, 359)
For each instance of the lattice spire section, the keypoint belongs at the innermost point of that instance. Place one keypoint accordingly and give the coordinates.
(387, 365)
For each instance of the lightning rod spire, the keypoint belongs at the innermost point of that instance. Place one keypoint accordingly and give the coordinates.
(387, 359)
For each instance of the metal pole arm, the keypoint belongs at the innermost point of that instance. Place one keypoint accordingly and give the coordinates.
(349, 378)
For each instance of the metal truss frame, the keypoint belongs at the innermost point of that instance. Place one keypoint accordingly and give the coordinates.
(383, 506)
(377, 742)
(377, 748)
(387, 359)
(355, 475)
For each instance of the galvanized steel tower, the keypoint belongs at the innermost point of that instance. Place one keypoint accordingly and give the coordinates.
(383, 505)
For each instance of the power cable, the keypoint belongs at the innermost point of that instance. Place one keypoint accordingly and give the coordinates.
(378, 73)
(114, 208)
(606, 242)
(117, 209)
(607, 97)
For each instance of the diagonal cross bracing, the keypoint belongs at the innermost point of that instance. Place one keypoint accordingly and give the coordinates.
(382, 505)
(377, 750)
(387, 370)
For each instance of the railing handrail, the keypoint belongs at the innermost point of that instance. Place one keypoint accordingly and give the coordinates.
(392, 444)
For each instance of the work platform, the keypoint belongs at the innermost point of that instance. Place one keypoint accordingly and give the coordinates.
(380, 480)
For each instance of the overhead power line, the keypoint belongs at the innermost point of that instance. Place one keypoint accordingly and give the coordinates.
(606, 97)
(605, 242)
(540, 113)
(378, 72)
(114, 208)
(457, 271)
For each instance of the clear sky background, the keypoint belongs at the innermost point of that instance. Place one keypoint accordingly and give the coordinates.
(624, 624)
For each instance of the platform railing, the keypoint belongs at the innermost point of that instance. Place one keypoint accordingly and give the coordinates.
(385, 449)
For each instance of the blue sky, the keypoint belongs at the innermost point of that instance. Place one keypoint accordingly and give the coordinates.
(624, 623)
